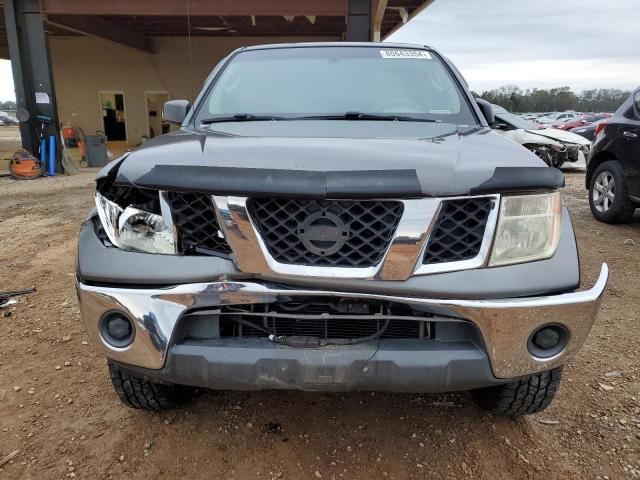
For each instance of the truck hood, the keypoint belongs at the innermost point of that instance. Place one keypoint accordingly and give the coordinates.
(350, 157)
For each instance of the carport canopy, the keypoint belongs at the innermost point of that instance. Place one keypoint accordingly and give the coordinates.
(27, 28)
(136, 23)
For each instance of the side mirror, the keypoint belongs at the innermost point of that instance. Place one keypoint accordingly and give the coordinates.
(500, 126)
(487, 110)
(175, 111)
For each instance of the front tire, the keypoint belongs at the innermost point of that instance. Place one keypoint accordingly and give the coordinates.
(138, 392)
(608, 196)
(522, 397)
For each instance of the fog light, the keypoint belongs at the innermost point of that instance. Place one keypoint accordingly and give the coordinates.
(548, 340)
(117, 329)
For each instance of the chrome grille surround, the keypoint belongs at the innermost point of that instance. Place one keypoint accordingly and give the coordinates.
(402, 259)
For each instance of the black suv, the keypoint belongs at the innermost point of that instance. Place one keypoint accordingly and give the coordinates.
(613, 167)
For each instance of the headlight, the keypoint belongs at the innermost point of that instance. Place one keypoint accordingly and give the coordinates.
(528, 228)
(134, 229)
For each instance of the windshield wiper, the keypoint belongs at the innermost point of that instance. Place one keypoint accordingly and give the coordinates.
(240, 117)
(366, 116)
(249, 117)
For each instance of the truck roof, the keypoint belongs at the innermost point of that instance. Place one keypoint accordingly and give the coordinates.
(337, 44)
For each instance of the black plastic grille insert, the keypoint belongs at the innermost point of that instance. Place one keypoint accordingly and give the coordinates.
(370, 226)
(195, 219)
(329, 327)
(459, 230)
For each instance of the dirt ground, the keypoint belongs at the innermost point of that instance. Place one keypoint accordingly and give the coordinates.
(58, 409)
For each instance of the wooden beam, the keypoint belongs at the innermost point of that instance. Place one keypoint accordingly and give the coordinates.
(421, 8)
(378, 15)
(196, 7)
(99, 28)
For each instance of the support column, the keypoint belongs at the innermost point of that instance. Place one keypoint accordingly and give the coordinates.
(378, 17)
(359, 21)
(32, 74)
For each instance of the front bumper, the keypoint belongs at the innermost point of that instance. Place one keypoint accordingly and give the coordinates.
(505, 326)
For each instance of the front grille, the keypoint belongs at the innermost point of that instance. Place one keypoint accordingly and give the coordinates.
(366, 228)
(326, 328)
(195, 219)
(459, 230)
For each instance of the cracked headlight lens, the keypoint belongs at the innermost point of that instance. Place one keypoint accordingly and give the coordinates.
(134, 229)
(144, 232)
(528, 228)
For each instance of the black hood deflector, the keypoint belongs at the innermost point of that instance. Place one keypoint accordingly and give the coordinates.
(261, 182)
(514, 179)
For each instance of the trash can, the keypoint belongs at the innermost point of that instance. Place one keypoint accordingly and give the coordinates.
(96, 150)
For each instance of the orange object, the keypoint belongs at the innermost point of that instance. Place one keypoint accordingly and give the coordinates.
(68, 133)
(23, 166)
(82, 146)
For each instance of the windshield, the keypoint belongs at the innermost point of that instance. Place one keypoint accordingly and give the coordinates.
(512, 120)
(331, 81)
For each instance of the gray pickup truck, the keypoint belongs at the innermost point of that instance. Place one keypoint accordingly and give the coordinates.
(333, 217)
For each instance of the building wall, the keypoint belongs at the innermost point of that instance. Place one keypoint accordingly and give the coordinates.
(84, 66)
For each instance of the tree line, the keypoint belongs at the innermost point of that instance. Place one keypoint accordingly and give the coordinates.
(9, 105)
(514, 99)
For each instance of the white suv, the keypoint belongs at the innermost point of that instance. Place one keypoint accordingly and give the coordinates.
(557, 118)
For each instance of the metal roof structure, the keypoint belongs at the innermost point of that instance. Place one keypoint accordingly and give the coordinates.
(137, 23)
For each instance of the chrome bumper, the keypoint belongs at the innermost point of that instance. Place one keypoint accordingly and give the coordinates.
(505, 324)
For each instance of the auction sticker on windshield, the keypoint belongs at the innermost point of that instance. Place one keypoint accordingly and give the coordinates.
(398, 53)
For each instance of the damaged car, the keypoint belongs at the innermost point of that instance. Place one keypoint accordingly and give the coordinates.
(555, 147)
(333, 217)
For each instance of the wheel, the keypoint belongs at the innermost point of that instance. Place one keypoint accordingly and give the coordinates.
(522, 397)
(608, 197)
(138, 392)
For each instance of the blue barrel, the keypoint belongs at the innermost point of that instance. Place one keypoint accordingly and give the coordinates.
(52, 156)
(43, 151)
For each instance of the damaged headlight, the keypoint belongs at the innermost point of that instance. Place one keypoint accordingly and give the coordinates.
(135, 229)
(528, 228)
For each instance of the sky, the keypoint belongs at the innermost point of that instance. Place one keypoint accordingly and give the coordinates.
(6, 81)
(531, 43)
(543, 43)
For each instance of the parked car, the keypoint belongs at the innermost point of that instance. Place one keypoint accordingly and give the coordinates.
(325, 219)
(529, 116)
(584, 120)
(556, 118)
(589, 131)
(8, 119)
(613, 168)
(555, 147)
